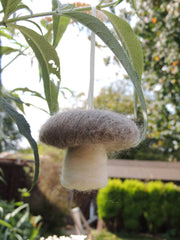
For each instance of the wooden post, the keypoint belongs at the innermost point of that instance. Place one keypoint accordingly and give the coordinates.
(99, 225)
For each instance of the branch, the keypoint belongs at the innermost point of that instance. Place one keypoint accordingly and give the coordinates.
(58, 11)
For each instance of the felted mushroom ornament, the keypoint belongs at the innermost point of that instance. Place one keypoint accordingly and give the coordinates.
(88, 135)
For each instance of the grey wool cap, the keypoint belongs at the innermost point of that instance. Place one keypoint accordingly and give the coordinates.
(81, 127)
(87, 135)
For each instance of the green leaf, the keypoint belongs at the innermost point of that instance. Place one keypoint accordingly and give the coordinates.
(7, 50)
(1, 212)
(9, 6)
(129, 41)
(34, 233)
(59, 27)
(33, 93)
(1, 172)
(17, 211)
(108, 38)
(49, 62)
(55, 93)
(24, 129)
(37, 25)
(6, 224)
(19, 103)
(24, 217)
(16, 99)
(2, 180)
(4, 34)
(18, 237)
(23, 6)
(60, 24)
(131, 44)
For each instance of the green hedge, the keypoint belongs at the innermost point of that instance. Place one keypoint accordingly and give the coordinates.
(135, 206)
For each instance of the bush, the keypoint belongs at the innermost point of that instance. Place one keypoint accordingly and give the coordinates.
(110, 202)
(135, 199)
(155, 213)
(135, 206)
(172, 205)
(110, 199)
(16, 223)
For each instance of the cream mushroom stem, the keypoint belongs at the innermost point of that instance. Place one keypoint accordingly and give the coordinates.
(85, 167)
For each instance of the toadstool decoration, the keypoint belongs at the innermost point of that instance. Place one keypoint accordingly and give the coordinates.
(87, 135)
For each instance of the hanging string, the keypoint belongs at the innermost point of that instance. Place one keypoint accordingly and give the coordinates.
(90, 104)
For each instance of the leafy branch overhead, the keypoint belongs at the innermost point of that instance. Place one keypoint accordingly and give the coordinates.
(125, 45)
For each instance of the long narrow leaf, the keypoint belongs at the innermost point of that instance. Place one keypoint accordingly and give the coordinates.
(18, 237)
(129, 40)
(23, 218)
(48, 60)
(23, 6)
(105, 34)
(24, 129)
(19, 103)
(6, 224)
(9, 6)
(33, 93)
(2, 180)
(16, 99)
(60, 24)
(131, 44)
(7, 50)
(1, 212)
(59, 27)
(19, 209)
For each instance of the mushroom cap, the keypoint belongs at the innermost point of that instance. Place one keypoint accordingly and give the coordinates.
(81, 127)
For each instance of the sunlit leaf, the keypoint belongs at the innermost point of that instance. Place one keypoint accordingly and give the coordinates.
(37, 25)
(25, 215)
(55, 93)
(17, 211)
(131, 44)
(9, 6)
(105, 34)
(129, 40)
(49, 62)
(6, 224)
(19, 103)
(59, 27)
(7, 50)
(24, 129)
(60, 24)
(23, 6)
(17, 100)
(33, 93)
(3, 33)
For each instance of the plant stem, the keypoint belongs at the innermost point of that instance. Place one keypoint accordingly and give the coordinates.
(19, 54)
(56, 12)
(27, 17)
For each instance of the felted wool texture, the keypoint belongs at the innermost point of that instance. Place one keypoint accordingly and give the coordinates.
(76, 127)
(85, 168)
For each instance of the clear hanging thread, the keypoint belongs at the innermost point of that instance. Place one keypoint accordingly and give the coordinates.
(90, 104)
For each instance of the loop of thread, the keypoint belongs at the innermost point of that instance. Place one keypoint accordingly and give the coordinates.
(90, 104)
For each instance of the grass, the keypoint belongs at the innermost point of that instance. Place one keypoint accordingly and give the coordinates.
(110, 236)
